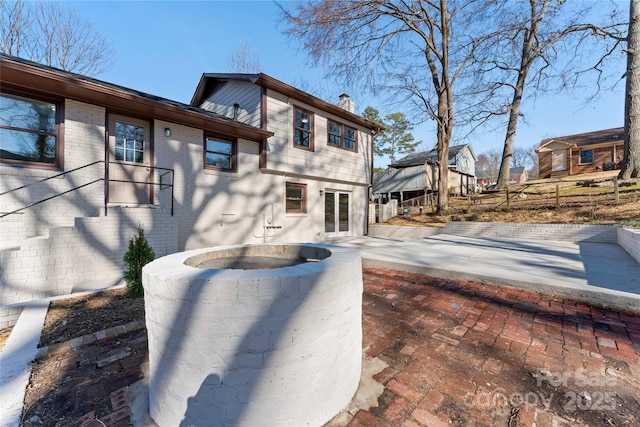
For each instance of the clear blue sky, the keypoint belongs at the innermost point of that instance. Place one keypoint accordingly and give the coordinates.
(163, 47)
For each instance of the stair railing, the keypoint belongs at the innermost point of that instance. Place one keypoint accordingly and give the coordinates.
(106, 179)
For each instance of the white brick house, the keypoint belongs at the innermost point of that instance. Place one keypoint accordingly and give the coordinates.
(104, 159)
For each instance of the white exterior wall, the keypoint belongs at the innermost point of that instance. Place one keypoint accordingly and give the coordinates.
(245, 94)
(68, 241)
(83, 128)
(222, 208)
(325, 161)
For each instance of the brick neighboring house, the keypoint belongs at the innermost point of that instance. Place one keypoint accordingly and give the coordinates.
(103, 159)
(581, 153)
(518, 175)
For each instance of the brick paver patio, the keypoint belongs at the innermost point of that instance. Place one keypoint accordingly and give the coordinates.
(455, 354)
(472, 354)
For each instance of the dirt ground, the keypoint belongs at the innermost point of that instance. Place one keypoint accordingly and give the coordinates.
(74, 317)
(627, 214)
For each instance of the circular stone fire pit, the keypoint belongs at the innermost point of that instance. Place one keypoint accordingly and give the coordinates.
(252, 335)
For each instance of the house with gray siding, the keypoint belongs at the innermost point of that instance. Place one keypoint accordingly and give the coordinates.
(84, 162)
(416, 175)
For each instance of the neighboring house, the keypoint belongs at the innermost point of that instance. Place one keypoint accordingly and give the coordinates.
(485, 179)
(461, 159)
(518, 175)
(98, 159)
(417, 174)
(581, 153)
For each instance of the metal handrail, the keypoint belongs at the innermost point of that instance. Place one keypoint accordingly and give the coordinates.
(51, 177)
(168, 171)
(51, 197)
(105, 179)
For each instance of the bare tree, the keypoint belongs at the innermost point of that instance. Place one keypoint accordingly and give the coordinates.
(520, 157)
(244, 58)
(49, 33)
(539, 43)
(631, 162)
(418, 50)
(488, 163)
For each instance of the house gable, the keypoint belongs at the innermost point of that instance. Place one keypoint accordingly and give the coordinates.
(553, 145)
(336, 143)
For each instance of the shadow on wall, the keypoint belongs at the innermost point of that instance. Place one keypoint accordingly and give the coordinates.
(254, 347)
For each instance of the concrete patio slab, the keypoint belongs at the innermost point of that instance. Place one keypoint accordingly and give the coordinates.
(598, 273)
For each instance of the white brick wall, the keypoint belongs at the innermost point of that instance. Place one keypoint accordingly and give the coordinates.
(211, 208)
(629, 240)
(89, 252)
(83, 144)
(565, 232)
(226, 337)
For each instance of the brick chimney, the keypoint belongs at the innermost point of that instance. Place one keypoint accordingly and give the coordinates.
(346, 104)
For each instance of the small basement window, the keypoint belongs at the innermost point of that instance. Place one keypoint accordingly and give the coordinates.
(296, 198)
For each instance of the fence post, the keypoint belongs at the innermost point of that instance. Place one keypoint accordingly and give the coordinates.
(468, 202)
(508, 198)
(615, 190)
(557, 195)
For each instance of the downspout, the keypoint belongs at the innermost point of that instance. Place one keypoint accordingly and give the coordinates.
(370, 186)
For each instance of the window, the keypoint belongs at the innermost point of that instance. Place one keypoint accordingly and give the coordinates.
(341, 136)
(586, 156)
(219, 154)
(129, 142)
(29, 131)
(296, 198)
(303, 129)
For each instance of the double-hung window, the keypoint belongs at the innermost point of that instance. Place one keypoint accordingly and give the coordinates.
(296, 198)
(219, 154)
(342, 136)
(586, 157)
(30, 131)
(303, 129)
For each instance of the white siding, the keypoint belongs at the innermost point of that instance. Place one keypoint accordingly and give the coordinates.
(243, 93)
(324, 162)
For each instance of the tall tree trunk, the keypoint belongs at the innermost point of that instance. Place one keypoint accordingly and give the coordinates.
(631, 162)
(445, 112)
(443, 170)
(507, 151)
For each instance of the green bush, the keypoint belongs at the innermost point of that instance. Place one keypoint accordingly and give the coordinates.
(137, 256)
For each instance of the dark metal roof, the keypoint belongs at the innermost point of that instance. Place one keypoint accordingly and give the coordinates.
(22, 73)
(423, 157)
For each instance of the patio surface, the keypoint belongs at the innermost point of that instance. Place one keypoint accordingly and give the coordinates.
(442, 353)
(448, 349)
